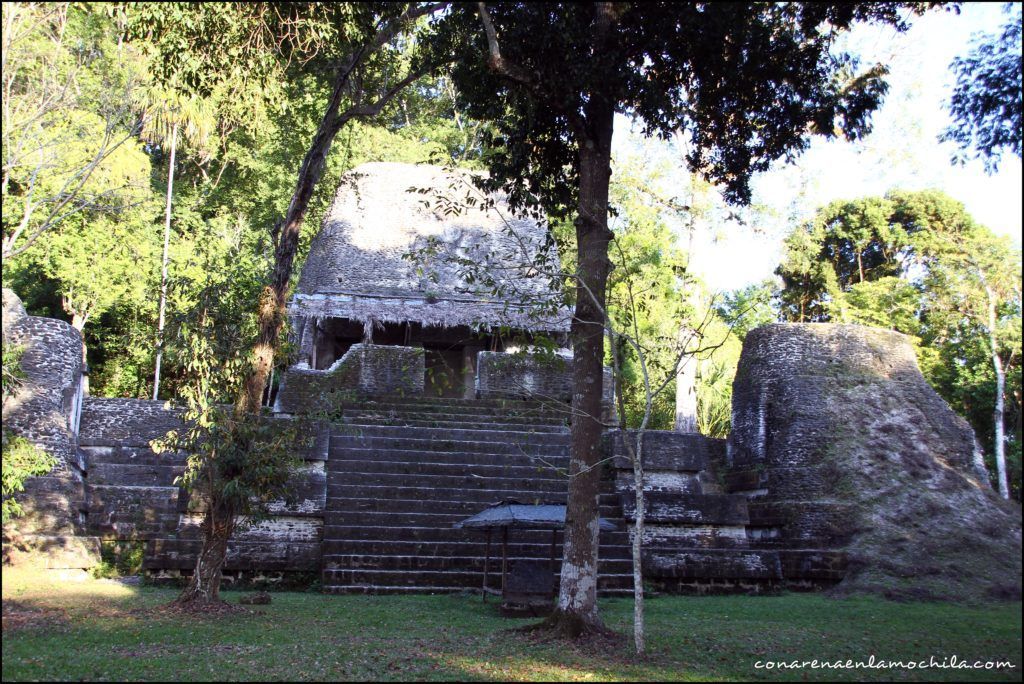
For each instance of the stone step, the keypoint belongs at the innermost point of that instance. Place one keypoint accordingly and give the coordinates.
(475, 548)
(342, 533)
(670, 538)
(396, 518)
(608, 566)
(713, 564)
(399, 514)
(449, 423)
(341, 457)
(460, 506)
(510, 447)
(528, 416)
(496, 418)
(673, 507)
(483, 497)
(804, 544)
(371, 463)
(265, 555)
(431, 434)
(463, 480)
(439, 578)
(458, 403)
(334, 516)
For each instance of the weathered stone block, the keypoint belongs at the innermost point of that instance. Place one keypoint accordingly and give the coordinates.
(265, 555)
(363, 369)
(524, 375)
(714, 564)
(668, 450)
(132, 512)
(671, 507)
(126, 422)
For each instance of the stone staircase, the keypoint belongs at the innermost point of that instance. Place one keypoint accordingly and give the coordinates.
(402, 471)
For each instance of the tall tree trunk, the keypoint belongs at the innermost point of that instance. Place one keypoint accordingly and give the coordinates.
(576, 612)
(204, 585)
(78, 322)
(272, 304)
(999, 409)
(163, 267)
(639, 638)
(686, 387)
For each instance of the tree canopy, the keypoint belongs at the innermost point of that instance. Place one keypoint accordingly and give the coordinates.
(986, 102)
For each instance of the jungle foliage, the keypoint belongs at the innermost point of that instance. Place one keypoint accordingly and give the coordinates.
(21, 458)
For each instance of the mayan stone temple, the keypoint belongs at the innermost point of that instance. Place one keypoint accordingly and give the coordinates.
(413, 325)
(394, 284)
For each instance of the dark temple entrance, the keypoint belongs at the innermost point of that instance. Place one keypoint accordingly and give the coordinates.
(445, 371)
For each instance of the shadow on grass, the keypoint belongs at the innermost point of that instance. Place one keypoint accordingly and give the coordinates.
(100, 629)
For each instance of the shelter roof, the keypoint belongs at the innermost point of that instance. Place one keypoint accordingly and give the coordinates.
(418, 243)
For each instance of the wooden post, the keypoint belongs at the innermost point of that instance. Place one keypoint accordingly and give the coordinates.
(504, 557)
(551, 562)
(487, 562)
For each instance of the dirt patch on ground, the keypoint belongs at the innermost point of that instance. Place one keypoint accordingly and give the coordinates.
(19, 615)
(214, 609)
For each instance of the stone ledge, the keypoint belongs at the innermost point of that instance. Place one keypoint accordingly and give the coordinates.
(57, 552)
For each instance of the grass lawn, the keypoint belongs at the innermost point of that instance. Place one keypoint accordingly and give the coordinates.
(102, 629)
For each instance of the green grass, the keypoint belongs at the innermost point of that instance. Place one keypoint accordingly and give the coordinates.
(101, 629)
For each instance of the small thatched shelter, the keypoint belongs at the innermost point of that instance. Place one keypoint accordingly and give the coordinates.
(415, 255)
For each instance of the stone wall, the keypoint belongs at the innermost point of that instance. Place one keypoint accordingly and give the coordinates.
(840, 443)
(132, 496)
(518, 375)
(532, 376)
(131, 490)
(45, 411)
(364, 369)
(698, 537)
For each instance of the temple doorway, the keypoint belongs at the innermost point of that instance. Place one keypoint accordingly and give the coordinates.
(445, 371)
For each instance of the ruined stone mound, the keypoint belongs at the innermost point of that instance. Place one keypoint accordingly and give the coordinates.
(850, 438)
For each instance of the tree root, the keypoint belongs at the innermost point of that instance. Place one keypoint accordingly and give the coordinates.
(565, 626)
(195, 605)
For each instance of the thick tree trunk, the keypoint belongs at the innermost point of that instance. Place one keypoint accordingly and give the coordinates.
(272, 302)
(204, 586)
(163, 264)
(577, 601)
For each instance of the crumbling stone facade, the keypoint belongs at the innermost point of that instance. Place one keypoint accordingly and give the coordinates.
(844, 468)
(45, 410)
(839, 443)
(698, 536)
(523, 375)
(365, 369)
(132, 495)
